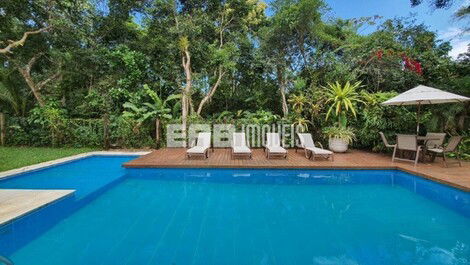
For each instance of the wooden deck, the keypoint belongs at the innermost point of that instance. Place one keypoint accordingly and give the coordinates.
(454, 175)
(16, 203)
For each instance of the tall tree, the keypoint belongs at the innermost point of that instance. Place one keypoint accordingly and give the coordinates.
(289, 39)
(29, 19)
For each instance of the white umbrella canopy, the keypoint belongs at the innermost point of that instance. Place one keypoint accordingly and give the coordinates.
(424, 95)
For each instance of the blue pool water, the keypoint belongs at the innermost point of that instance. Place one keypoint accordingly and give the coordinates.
(238, 216)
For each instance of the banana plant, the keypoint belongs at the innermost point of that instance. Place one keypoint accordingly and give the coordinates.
(157, 109)
(10, 97)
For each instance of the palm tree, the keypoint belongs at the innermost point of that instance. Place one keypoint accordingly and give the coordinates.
(10, 97)
(343, 100)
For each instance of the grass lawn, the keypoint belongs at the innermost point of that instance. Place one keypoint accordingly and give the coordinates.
(15, 157)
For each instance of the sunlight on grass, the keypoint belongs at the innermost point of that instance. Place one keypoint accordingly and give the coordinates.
(15, 157)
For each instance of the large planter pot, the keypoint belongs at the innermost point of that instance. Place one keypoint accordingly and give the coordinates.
(338, 145)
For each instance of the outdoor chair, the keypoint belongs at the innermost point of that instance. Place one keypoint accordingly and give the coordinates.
(311, 151)
(202, 146)
(454, 142)
(407, 143)
(273, 146)
(437, 142)
(385, 141)
(239, 146)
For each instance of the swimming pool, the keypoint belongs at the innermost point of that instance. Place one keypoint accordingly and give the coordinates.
(238, 216)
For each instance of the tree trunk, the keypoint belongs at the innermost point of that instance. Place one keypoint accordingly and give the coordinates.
(462, 117)
(106, 143)
(29, 80)
(211, 92)
(2, 129)
(157, 132)
(186, 62)
(36, 87)
(282, 87)
(220, 72)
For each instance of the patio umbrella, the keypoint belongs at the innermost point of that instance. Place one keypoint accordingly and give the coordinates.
(423, 95)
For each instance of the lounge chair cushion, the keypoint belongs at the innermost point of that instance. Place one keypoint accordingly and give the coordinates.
(276, 149)
(319, 151)
(241, 150)
(197, 150)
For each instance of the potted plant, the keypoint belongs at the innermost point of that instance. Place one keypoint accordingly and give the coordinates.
(339, 138)
(342, 100)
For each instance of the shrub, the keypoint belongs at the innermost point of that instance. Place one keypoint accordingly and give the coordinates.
(374, 118)
(128, 133)
(339, 132)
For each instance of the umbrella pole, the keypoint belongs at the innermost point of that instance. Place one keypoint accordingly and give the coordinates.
(417, 118)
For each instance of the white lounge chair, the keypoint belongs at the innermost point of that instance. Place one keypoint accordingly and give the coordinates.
(273, 146)
(202, 146)
(239, 146)
(311, 151)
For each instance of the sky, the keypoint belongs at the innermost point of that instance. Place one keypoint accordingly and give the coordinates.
(438, 20)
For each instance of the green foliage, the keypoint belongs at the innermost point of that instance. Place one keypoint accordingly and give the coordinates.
(374, 118)
(340, 132)
(464, 148)
(50, 117)
(155, 109)
(342, 100)
(298, 103)
(129, 133)
(74, 132)
(11, 100)
(260, 117)
(104, 60)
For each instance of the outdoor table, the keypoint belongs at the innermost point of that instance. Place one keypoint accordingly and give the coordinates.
(427, 138)
(424, 140)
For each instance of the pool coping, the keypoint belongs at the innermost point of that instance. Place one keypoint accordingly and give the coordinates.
(63, 160)
(24, 210)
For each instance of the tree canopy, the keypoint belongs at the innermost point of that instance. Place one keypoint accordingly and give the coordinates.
(90, 58)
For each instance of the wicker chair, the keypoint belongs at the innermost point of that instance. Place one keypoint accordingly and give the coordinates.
(454, 142)
(407, 143)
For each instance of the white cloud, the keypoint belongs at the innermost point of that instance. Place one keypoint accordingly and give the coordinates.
(458, 47)
(459, 39)
(452, 32)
